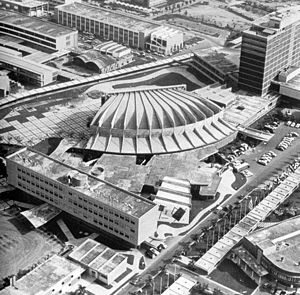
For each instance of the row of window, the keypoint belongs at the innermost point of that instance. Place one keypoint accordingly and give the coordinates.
(36, 177)
(28, 35)
(55, 189)
(99, 28)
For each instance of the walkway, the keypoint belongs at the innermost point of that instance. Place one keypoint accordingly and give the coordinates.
(209, 261)
(224, 188)
(254, 133)
(32, 94)
(107, 87)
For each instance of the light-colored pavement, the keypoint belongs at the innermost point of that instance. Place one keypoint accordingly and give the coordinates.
(224, 189)
(107, 87)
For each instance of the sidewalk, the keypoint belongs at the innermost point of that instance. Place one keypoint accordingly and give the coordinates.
(224, 189)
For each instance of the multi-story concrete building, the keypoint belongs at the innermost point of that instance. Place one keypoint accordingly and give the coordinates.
(28, 7)
(165, 40)
(269, 46)
(28, 70)
(83, 194)
(109, 25)
(37, 31)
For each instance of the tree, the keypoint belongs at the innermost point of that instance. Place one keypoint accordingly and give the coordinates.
(217, 292)
(81, 290)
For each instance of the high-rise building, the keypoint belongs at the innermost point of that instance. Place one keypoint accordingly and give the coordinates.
(270, 45)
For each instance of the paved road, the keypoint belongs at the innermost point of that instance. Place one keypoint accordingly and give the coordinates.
(261, 174)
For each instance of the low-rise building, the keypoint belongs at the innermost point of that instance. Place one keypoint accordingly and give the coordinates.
(165, 40)
(28, 7)
(182, 286)
(55, 276)
(101, 262)
(114, 49)
(83, 194)
(37, 31)
(28, 70)
(99, 62)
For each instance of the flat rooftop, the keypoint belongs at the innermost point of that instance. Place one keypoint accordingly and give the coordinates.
(30, 3)
(33, 24)
(44, 277)
(97, 256)
(114, 18)
(59, 169)
(284, 238)
(271, 23)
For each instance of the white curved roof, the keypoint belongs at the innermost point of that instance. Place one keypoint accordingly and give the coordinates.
(160, 120)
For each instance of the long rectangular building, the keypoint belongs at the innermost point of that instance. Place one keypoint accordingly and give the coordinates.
(28, 70)
(83, 195)
(37, 31)
(106, 24)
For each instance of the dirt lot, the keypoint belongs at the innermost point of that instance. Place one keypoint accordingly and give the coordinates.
(216, 14)
(21, 246)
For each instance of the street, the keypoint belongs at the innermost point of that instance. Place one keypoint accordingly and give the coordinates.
(261, 174)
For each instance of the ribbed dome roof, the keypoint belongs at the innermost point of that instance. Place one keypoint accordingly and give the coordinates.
(153, 120)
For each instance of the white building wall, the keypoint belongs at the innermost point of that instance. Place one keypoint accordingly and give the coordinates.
(132, 229)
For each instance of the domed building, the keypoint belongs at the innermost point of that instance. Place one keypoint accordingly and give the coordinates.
(157, 120)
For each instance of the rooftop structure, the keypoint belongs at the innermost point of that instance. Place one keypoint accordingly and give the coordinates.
(157, 120)
(102, 261)
(48, 277)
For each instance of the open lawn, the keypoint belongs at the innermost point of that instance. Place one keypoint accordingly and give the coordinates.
(21, 246)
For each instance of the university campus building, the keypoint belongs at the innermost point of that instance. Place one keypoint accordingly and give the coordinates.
(28, 70)
(27, 7)
(117, 26)
(84, 194)
(272, 252)
(269, 46)
(36, 31)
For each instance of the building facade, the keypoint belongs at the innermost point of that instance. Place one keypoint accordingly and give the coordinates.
(107, 24)
(105, 206)
(269, 46)
(29, 8)
(37, 31)
(27, 70)
(166, 40)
